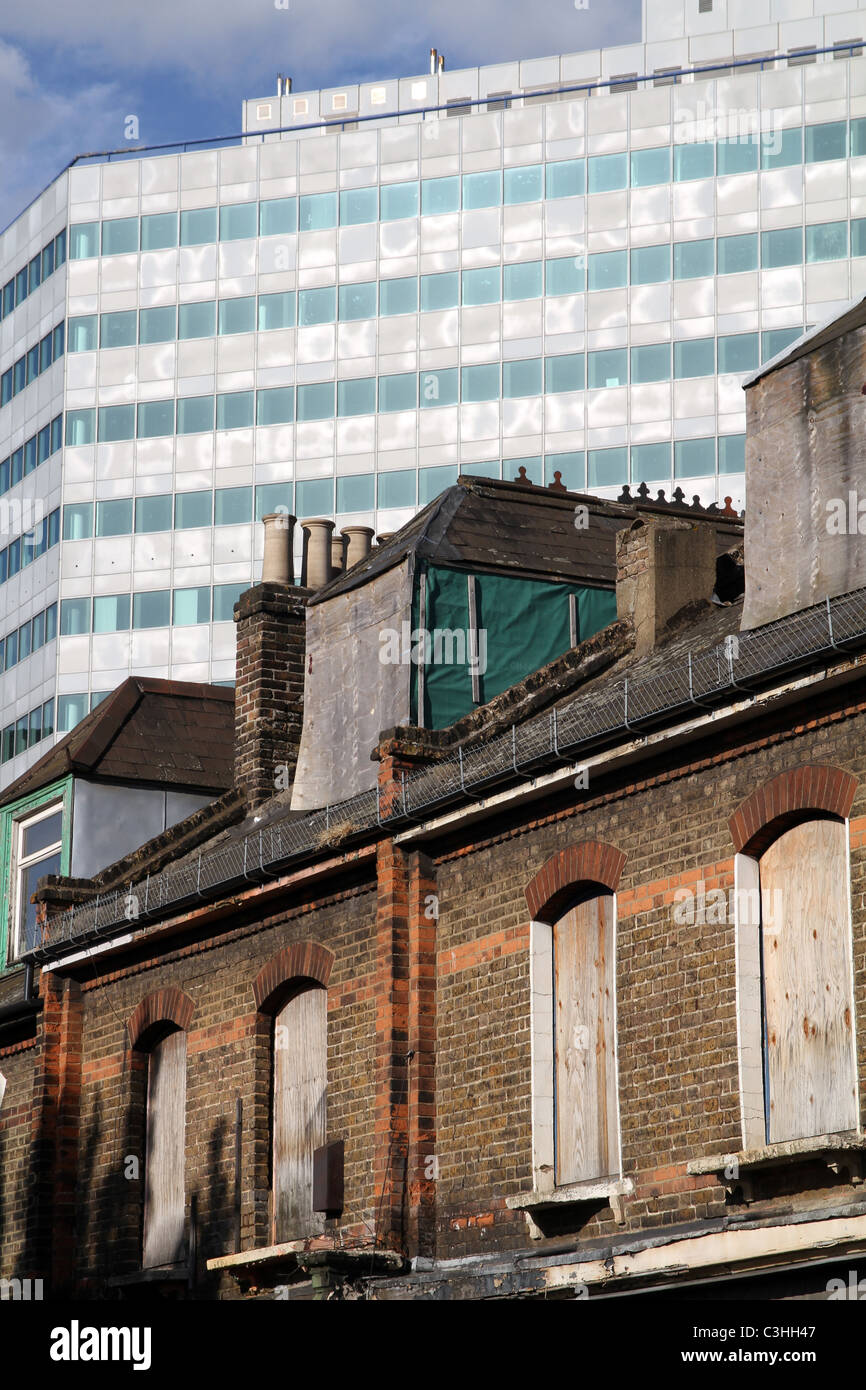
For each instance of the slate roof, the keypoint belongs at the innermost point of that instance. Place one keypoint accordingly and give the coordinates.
(148, 732)
(851, 317)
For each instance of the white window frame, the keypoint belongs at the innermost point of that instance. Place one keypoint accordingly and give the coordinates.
(20, 861)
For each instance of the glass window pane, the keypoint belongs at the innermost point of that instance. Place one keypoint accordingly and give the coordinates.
(433, 481)
(77, 521)
(566, 275)
(565, 178)
(119, 329)
(481, 286)
(60, 248)
(74, 616)
(607, 172)
(157, 325)
(694, 458)
(782, 247)
(607, 467)
(650, 166)
(151, 608)
(316, 402)
(196, 320)
(775, 340)
(737, 156)
(195, 414)
(523, 470)
(317, 306)
(563, 373)
(111, 612)
(83, 241)
(317, 211)
(607, 368)
(114, 517)
(116, 422)
(238, 221)
(523, 185)
(440, 195)
(650, 264)
(608, 270)
(781, 148)
(521, 378)
(197, 226)
(480, 383)
(440, 291)
(571, 468)
(857, 143)
(233, 505)
(315, 497)
(272, 498)
(694, 357)
(398, 392)
(483, 190)
(155, 419)
(693, 258)
(192, 509)
(82, 334)
(119, 236)
(738, 353)
(827, 241)
(153, 513)
(276, 310)
(522, 280)
(47, 260)
(357, 301)
(71, 709)
(651, 363)
(237, 315)
(358, 205)
(355, 493)
(826, 142)
(858, 236)
(234, 410)
(278, 216)
(34, 274)
(396, 489)
(225, 596)
(158, 231)
(438, 388)
(190, 606)
(45, 353)
(80, 427)
(398, 200)
(650, 463)
(398, 296)
(357, 397)
(39, 631)
(737, 253)
(276, 406)
(732, 453)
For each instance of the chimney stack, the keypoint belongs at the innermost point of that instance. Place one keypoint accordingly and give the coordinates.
(662, 565)
(359, 543)
(318, 551)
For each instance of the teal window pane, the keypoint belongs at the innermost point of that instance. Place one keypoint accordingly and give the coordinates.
(190, 606)
(650, 463)
(827, 241)
(650, 166)
(440, 291)
(571, 468)
(238, 221)
(151, 608)
(315, 497)
(482, 286)
(775, 340)
(432, 481)
(440, 195)
(316, 211)
(858, 236)
(482, 190)
(523, 185)
(564, 373)
(74, 616)
(155, 419)
(398, 392)
(119, 236)
(192, 509)
(782, 247)
(782, 148)
(316, 402)
(272, 498)
(196, 320)
(480, 383)
(276, 311)
(158, 231)
(737, 156)
(398, 200)
(694, 458)
(608, 270)
(116, 422)
(566, 275)
(357, 397)
(732, 453)
(694, 162)
(80, 427)
(317, 306)
(83, 241)
(357, 301)
(737, 253)
(438, 388)
(858, 136)
(111, 613)
(82, 334)
(532, 470)
(650, 264)
(521, 378)
(607, 467)
(114, 517)
(694, 357)
(278, 216)
(276, 406)
(153, 514)
(39, 630)
(195, 414)
(651, 363)
(355, 493)
(234, 410)
(237, 315)
(77, 521)
(396, 489)
(157, 325)
(607, 368)
(225, 596)
(738, 353)
(825, 142)
(233, 506)
(565, 179)
(71, 709)
(398, 296)
(607, 172)
(118, 330)
(97, 697)
(523, 280)
(358, 205)
(693, 259)
(197, 226)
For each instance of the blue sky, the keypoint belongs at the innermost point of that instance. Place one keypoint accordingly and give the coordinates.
(70, 74)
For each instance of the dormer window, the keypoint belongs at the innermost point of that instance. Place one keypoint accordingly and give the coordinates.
(37, 848)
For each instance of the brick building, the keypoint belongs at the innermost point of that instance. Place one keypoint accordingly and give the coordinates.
(571, 1002)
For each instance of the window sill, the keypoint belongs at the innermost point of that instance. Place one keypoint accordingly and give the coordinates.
(845, 1151)
(269, 1263)
(607, 1190)
(156, 1274)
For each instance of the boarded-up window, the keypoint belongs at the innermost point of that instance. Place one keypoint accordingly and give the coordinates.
(164, 1152)
(586, 1144)
(299, 1090)
(809, 1075)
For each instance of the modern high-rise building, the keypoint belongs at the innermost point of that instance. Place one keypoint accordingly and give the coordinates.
(565, 265)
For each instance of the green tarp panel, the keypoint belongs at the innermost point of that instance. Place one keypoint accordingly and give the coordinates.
(526, 624)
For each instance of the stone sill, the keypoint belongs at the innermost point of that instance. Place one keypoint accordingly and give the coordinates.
(294, 1253)
(156, 1274)
(610, 1190)
(845, 1150)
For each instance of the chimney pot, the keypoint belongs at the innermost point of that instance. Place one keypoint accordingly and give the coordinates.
(338, 554)
(277, 563)
(318, 531)
(359, 541)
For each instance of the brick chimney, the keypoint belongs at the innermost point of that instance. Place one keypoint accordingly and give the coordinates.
(662, 564)
(269, 687)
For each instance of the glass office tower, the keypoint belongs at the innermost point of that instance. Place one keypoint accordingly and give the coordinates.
(565, 265)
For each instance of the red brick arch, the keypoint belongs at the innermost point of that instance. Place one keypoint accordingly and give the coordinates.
(786, 800)
(592, 861)
(305, 960)
(162, 1006)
